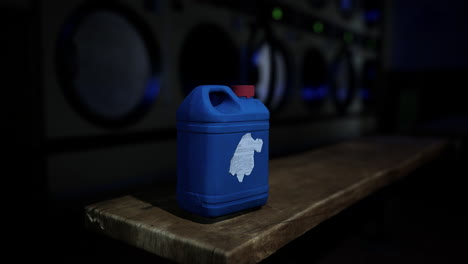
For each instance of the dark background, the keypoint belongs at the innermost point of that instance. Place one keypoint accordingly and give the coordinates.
(421, 63)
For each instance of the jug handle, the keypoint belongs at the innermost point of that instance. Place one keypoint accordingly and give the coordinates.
(208, 89)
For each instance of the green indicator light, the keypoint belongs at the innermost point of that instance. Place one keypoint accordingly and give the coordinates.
(318, 27)
(348, 37)
(277, 13)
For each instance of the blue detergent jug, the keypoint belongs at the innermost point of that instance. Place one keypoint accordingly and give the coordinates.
(222, 150)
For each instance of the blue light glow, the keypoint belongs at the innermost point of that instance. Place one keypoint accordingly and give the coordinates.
(314, 93)
(346, 4)
(372, 15)
(255, 58)
(152, 91)
(365, 95)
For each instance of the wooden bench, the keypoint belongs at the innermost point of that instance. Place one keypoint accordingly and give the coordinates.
(305, 189)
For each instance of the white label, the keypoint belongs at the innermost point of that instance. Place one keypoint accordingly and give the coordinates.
(242, 162)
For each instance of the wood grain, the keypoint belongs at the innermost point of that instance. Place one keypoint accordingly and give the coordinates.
(305, 189)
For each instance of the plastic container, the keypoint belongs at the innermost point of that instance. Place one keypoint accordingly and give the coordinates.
(222, 151)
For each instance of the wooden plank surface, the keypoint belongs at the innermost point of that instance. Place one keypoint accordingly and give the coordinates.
(305, 189)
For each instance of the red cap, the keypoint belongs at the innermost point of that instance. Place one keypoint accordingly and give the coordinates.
(244, 90)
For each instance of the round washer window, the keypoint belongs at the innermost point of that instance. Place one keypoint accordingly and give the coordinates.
(343, 83)
(108, 65)
(268, 70)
